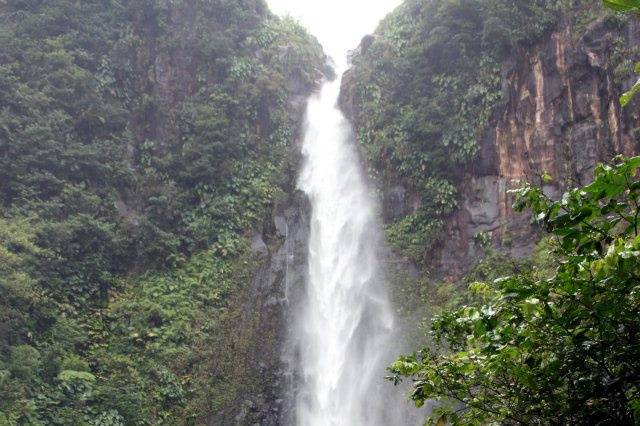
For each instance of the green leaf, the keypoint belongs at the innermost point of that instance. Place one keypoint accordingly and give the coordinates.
(633, 162)
(627, 97)
(622, 5)
(71, 375)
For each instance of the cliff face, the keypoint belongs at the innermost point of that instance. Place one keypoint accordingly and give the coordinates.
(265, 372)
(558, 113)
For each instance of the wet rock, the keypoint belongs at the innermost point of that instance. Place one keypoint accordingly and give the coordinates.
(559, 114)
(395, 203)
(276, 287)
(258, 245)
(346, 100)
(366, 43)
(280, 222)
(482, 205)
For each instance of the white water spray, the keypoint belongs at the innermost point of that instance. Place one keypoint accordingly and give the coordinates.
(344, 327)
(346, 321)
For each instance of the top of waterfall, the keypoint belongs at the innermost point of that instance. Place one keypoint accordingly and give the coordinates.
(338, 24)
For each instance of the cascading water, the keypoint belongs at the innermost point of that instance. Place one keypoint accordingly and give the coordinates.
(342, 329)
(346, 320)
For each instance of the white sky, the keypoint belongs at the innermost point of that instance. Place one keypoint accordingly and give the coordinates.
(338, 24)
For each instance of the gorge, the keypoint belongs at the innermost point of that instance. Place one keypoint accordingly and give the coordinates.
(242, 212)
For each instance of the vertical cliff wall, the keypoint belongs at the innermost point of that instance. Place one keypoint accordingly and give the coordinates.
(264, 374)
(559, 115)
(547, 105)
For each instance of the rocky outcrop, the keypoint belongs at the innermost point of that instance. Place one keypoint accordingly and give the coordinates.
(266, 313)
(559, 114)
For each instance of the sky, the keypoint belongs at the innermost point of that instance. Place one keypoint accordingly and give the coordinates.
(338, 24)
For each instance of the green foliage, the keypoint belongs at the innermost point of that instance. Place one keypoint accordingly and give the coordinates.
(627, 97)
(422, 229)
(88, 136)
(425, 90)
(626, 6)
(623, 5)
(139, 360)
(156, 334)
(540, 349)
(139, 142)
(412, 234)
(421, 299)
(22, 306)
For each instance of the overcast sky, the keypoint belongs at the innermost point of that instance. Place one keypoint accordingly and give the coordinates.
(338, 24)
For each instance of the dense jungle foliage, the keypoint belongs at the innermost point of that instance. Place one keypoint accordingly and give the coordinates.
(139, 142)
(542, 341)
(427, 85)
(538, 349)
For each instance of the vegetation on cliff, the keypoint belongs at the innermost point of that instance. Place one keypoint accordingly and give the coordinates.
(546, 340)
(425, 87)
(627, 6)
(549, 350)
(139, 142)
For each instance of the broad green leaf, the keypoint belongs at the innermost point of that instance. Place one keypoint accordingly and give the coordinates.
(622, 5)
(634, 162)
(627, 97)
(70, 375)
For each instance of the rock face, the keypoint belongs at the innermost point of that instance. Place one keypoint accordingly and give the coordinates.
(276, 286)
(559, 114)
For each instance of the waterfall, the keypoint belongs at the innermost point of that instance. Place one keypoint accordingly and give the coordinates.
(345, 323)
(342, 328)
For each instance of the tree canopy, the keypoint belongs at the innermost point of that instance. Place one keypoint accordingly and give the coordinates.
(140, 141)
(560, 350)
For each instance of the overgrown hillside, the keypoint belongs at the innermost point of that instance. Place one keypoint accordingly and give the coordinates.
(454, 100)
(140, 144)
(527, 319)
